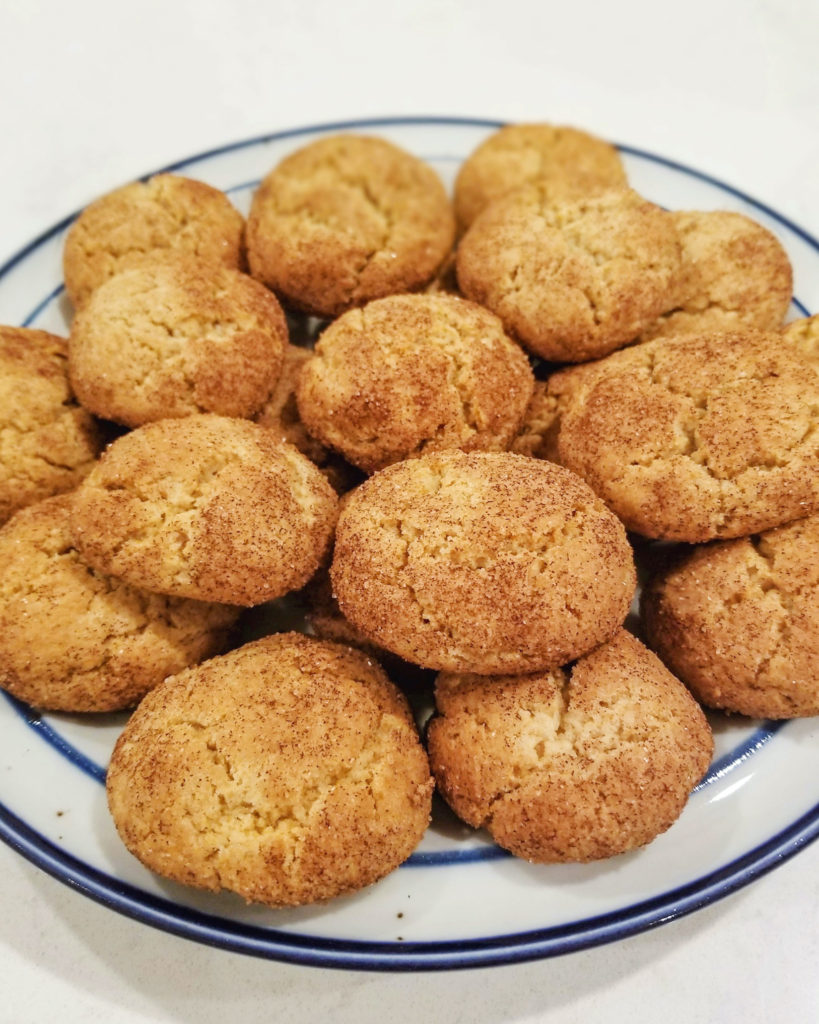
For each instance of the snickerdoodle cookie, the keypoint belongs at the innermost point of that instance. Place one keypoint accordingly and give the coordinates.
(575, 764)
(48, 443)
(414, 373)
(537, 436)
(168, 212)
(205, 507)
(735, 273)
(72, 639)
(174, 336)
(345, 220)
(571, 161)
(803, 335)
(738, 621)
(288, 771)
(481, 562)
(576, 279)
(699, 437)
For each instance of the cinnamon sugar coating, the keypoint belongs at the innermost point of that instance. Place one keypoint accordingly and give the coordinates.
(481, 562)
(168, 212)
(288, 771)
(345, 220)
(575, 764)
(414, 373)
(205, 507)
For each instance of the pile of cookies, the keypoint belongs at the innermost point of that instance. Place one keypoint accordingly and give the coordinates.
(501, 387)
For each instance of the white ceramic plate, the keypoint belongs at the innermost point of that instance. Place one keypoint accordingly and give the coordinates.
(459, 901)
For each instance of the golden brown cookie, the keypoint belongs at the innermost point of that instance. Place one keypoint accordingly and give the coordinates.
(572, 162)
(48, 442)
(168, 212)
(699, 437)
(574, 764)
(735, 274)
(345, 220)
(205, 507)
(288, 771)
(173, 336)
(411, 374)
(738, 621)
(537, 436)
(803, 334)
(576, 279)
(481, 562)
(72, 639)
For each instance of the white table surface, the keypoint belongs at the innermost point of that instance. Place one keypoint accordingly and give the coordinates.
(93, 94)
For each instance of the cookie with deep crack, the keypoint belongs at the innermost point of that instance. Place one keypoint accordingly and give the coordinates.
(205, 507)
(699, 437)
(738, 621)
(48, 442)
(481, 562)
(414, 373)
(576, 279)
(166, 213)
(576, 764)
(345, 220)
(174, 336)
(571, 161)
(73, 639)
(289, 771)
(735, 274)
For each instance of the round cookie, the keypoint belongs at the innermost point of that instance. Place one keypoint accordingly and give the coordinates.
(481, 562)
(738, 621)
(576, 764)
(572, 162)
(735, 273)
(147, 218)
(803, 335)
(175, 336)
(72, 639)
(576, 279)
(288, 771)
(414, 373)
(699, 437)
(205, 507)
(345, 220)
(48, 443)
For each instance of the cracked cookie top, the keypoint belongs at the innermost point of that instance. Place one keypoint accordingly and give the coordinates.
(168, 212)
(345, 220)
(288, 771)
(576, 764)
(572, 279)
(738, 621)
(735, 273)
(205, 507)
(571, 161)
(47, 441)
(173, 336)
(74, 639)
(481, 562)
(414, 373)
(699, 437)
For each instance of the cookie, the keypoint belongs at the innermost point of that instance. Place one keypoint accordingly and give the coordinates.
(537, 436)
(481, 562)
(738, 621)
(735, 274)
(205, 507)
(288, 771)
(576, 764)
(576, 279)
(572, 162)
(72, 639)
(803, 335)
(414, 373)
(174, 336)
(48, 442)
(345, 220)
(168, 212)
(699, 437)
